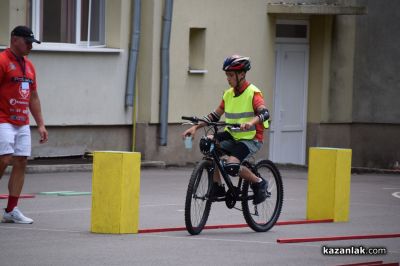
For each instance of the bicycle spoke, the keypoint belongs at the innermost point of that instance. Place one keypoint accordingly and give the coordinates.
(263, 216)
(266, 208)
(197, 206)
(199, 202)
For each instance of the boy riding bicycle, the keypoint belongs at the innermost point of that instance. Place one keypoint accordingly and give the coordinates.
(242, 104)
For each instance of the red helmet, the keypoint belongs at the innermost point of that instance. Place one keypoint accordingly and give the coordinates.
(237, 63)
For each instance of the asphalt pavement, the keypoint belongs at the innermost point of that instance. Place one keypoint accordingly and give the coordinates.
(61, 233)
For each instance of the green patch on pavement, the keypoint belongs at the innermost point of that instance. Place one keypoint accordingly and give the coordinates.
(74, 193)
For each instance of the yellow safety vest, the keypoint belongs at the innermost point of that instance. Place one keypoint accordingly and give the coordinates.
(239, 110)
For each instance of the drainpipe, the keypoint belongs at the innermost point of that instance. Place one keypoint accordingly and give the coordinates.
(166, 32)
(133, 59)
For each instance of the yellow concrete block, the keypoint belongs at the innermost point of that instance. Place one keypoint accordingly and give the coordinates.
(328, 194)
(115, 192)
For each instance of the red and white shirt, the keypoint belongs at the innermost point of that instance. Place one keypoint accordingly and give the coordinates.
(17, 80)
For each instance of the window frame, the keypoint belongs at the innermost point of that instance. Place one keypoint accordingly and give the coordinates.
(293, 22)
(36, 24)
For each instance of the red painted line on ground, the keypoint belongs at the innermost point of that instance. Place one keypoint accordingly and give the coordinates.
(334, 238)
(305, 222)
(223, 226)
(22, 196)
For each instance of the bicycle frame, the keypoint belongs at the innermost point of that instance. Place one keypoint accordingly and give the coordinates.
(236, 190)
(216, 158)
(198, 202)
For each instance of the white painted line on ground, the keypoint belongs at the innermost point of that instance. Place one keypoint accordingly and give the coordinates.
(172, 237)
(41, 229)
(62, 210)
(295, 199)
(239, 241)
(372, 204)
(396, 194)
(161, 205)
(88, 209)
(227, 240)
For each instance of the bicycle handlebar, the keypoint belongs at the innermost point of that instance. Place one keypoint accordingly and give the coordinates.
(190, 118)
(195, 119)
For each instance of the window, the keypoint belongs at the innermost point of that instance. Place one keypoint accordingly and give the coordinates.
(292, 31)
(80, 22)
(197, 43)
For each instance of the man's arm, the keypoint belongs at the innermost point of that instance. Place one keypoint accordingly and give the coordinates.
(36, 110)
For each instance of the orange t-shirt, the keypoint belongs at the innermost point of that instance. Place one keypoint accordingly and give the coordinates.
(17, 80)
(258, 101)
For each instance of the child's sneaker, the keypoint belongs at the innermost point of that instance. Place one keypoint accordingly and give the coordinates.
(260, 191)
(15, 216)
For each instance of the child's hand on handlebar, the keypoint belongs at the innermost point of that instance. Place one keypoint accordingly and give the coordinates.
(246, 126)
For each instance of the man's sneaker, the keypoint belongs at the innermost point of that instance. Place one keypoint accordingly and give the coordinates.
(260, 191)
(15, 216)
(218, 190)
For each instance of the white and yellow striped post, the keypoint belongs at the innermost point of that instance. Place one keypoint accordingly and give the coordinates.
(328, 195)
(115, 192)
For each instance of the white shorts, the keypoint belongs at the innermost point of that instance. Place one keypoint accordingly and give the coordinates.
(15, 140)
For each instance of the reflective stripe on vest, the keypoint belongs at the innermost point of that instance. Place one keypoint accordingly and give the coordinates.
(239, 110)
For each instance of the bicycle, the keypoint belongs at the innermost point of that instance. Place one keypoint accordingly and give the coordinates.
(199, 195)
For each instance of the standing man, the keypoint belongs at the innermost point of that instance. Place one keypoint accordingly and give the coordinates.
(18, 95)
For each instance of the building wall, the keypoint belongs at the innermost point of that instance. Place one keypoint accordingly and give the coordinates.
(79, 140)
(376, 95)
(12, 13)
(319, 68)
(148, 75)
(4, 21)
(376, 145)
(82, 88)
(250, 35)
(340, 103)
(330, 81)
(82, 91)
(377, 63)
(363, 112)
(197, 94)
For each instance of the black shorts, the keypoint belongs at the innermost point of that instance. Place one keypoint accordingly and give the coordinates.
(234, 148)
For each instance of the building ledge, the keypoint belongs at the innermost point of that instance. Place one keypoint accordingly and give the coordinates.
(197, 71)
(46, 47)
(315, 9)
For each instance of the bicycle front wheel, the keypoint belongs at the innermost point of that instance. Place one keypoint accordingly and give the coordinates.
(262, 217)
(198, 203)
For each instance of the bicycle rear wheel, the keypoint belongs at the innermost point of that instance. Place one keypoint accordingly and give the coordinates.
(262, 217)
(198, 203)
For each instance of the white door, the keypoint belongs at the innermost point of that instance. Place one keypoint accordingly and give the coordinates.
(289, 117)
